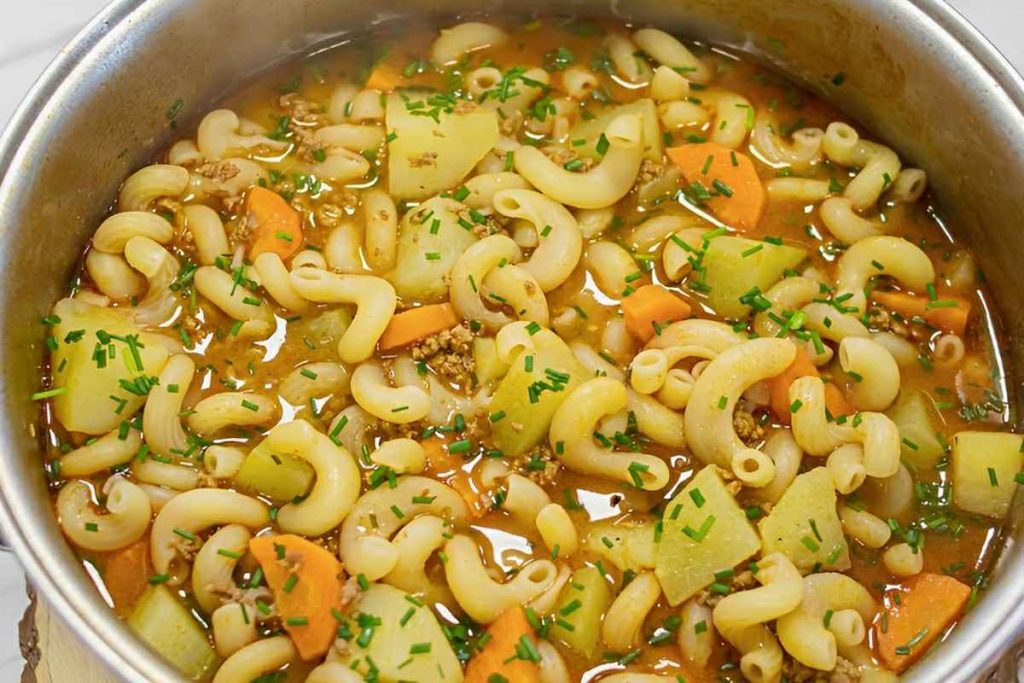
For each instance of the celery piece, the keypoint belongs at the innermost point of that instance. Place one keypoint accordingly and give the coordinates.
(582, 604)
(916, 418)
(985, 467)
(805, 526)
(730, 274)
(591, 130)
(385, 624)
(279, 476)
(166, 625)
(485, 357)
(99, 371)
(432, 148)
(704, 530)
(430, 240)
(536, 384)
(628, 546)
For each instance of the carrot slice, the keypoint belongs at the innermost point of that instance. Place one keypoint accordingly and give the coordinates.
(928, 604)
(416, 323)
(384, 77)
(738, 197)
(278, 227)
(307, 581)
(778, 388)
(126, 575)
(500, 659)
(650, 308)
(948, 314)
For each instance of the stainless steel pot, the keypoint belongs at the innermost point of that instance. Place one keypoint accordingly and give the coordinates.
(916, 73)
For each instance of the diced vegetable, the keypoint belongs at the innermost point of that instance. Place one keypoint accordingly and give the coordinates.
(927, 605)
(591, 130)
(627, 546)
(917, 420)
(778, 388)
(735, 265)
(530, 393)
(430, 241)
(278, 476)
(326, 329)
(805, 526)
(306, 580)
(509, 635)
(947, 314)
(278, 227)
(704, 530)
(385, 75)
(387, 624)
(417, 323)
(726, 181)
(985, 465)
(485, 357)
(433, 145)
(126, 575)
(166, 625)
(101, 389)
(650, 308)
(581, 607)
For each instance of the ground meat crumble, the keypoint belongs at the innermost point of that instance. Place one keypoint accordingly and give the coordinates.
(449, 354)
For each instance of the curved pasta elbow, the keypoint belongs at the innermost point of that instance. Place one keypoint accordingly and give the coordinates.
(875, 374)
(561, 242)
(605, 184)
(127, 518)
(400, 405)
(483, 598)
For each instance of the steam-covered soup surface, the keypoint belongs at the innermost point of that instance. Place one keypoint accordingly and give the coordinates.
(533, 351)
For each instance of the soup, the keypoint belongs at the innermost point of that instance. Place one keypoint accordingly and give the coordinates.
(546, 351)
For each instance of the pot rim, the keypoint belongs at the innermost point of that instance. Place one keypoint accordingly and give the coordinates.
(97, 629)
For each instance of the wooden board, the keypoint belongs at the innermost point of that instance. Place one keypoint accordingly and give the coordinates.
(52, 653)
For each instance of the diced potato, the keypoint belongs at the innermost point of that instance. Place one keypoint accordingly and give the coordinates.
(96, 400)
(916, 419)
(730, 274)
(628, 546)
(430, 241)
(704, 530)
(582, 604)
(427, 156)
(326, 328)
(528, 412)
(166, 625)
(591, 130)
(985, 465)
(485, 357)
(279, 476)
(393, 634)
(805, 526)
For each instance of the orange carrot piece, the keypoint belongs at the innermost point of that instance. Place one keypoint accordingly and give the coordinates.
(508, 632)
(307, 581)
(928, 605)
(778, 388)
(384, 77)
(650, 308)
(126, 575)
(442, 464)
(738, 196)
(278, 227)
(946, 317)
(416, 323)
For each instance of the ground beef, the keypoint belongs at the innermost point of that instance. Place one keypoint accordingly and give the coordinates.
(562, 156)
(845, 672)
(747, 428)
(302, 111)
(423, 160)
(511, 123)
(220, 171)
(449, 354)
(527, 465)
(650, 171)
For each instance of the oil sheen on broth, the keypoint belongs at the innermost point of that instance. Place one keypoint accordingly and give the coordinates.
(717, 229)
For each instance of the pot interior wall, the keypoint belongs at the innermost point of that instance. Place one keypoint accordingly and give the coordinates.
(908, 81)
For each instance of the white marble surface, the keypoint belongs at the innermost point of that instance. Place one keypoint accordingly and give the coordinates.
(31, 33)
